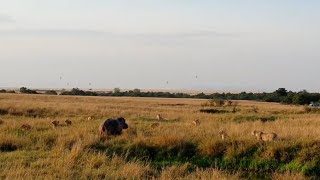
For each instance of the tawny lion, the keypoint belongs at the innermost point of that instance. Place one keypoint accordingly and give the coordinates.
(55, 123)
(159, 117)
(68, 122)
(196, 122)
(264, 136)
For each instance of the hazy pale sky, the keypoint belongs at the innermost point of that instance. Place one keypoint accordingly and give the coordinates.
(227, 45)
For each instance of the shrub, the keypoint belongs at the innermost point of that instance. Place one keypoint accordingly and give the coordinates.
(213, 111)
(252, 118)
(25, 90)
(78, 92)
(7, 147)
(11, 91)
(51, 92)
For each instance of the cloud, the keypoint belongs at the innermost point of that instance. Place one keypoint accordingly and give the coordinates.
(187, 34)
(79, 33)
(91, 33)
(6, 19)
(145, 39)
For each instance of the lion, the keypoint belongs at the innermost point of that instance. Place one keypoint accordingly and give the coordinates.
(196, 122)
(159, 117)
(264, 136)
(55, 123)
(68, 122)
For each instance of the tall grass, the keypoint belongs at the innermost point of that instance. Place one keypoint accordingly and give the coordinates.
(175, 150)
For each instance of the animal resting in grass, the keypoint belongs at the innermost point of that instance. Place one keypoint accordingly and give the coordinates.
(113, 126)
(265, 136)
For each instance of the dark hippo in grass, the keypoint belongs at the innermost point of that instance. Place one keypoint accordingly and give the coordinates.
(113, 126)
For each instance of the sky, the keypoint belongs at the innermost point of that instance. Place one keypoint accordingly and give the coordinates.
(249, 45)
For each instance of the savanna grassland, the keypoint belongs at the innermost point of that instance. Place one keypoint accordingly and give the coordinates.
(176, 149)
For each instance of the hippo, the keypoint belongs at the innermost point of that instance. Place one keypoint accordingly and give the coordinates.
(113, 126)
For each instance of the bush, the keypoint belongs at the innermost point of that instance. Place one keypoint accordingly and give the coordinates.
(240, 118)
(25, 90)
(51, 92)
(213, 111)
(78, 92)
(7, 91)
(11, 91)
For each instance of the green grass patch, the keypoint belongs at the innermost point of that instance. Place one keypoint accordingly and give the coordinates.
(252, 157)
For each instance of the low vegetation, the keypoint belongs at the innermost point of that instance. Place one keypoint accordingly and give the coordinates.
(173, 149)
(217, 99)
(25, 90)
(51, 92)
(7, 91)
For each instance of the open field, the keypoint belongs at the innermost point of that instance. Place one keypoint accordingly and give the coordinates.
(175, 150)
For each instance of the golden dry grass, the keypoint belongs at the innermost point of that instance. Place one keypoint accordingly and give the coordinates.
(65, 152)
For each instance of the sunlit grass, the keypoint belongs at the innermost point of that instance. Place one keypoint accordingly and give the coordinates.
(174, 150)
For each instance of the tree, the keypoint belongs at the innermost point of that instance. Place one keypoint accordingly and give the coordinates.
(136, 91)
(281, 92)
(302, 97)
(116, 90)
(23, 90)
(297, 99)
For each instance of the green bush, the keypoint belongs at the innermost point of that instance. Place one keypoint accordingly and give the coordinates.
(51, 92)
(25, 90)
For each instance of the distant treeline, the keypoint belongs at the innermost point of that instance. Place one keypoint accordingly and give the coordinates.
(281, 95)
